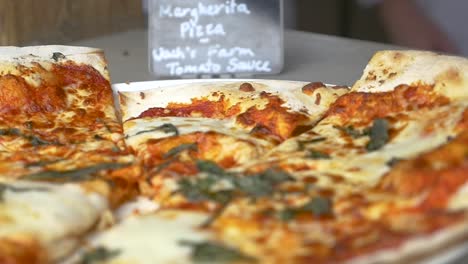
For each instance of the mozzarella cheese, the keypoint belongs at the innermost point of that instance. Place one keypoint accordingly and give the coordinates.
(185, 125)
(153, 238)
(459, 200)
(420, 132)
(57, 215)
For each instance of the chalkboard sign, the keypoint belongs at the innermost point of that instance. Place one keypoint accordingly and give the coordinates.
(215, 37)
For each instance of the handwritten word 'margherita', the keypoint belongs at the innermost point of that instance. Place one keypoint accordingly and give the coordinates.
(230, 7)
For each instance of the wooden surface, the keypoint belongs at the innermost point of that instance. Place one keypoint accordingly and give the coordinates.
(27, 22)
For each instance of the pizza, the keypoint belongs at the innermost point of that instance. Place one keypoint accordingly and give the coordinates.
(232, 171)
(61, 151)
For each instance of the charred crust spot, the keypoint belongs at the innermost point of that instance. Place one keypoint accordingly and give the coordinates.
(310, 179)
(142, 95)
(81, 111)
(451, 75)
(371, 76)
(264, 94)
(398, 56)
(56, 56)
(310, 88)
(335, 178)
(318, 98)
(260, 129)
(304, 110)
(246, 87)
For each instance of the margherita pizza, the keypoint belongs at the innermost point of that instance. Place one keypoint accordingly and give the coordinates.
(232, 171)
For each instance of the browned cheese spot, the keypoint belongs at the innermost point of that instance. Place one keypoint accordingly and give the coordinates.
(451, 75)
(318, 98)
(310, 88)
(246, 87)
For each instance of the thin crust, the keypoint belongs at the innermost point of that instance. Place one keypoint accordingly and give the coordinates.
(391, 68)
(80, 55)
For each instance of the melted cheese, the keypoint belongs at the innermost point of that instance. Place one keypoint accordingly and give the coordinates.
(185, 125)
(154, 238)
(54, 109)
(56, 215)
(422, 131)
(388, 69)
(134, 103)
(459, 200)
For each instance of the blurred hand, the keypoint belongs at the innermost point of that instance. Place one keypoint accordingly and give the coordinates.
(407, 25)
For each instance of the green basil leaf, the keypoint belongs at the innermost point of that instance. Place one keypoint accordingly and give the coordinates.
(99, 254)
(393, 161)
(262, 184)
(81, 174)
(179, 149)
(286, 214)
(200, 190)
(42, 163)
(318, 206)
(4, 187)
(10, 132)
(210, 167)
(303, 143)
(166, 128)
(378, 134)
(351, 131)
(255, 186)
(276, 176)
(56, 56)
(212, 252)
(218, 212)
(35, 141)
(194, 191)
(115, 149)
(315, 154)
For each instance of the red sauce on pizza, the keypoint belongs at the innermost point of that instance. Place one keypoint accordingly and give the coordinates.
(365, 107)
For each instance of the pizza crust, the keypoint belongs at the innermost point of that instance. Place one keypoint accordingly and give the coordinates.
(13, 56)
(448, 243)
(56, 215)
(390, 68)
(133, 103)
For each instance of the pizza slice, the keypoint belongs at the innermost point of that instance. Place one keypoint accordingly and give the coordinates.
(45, 222)
(365, 132)
(444, 75)
(57, 113)
(61, 151)
(148, 238)
(393, 158)
(228, 123)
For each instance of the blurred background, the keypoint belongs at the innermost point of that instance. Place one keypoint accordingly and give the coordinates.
(30, 22)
